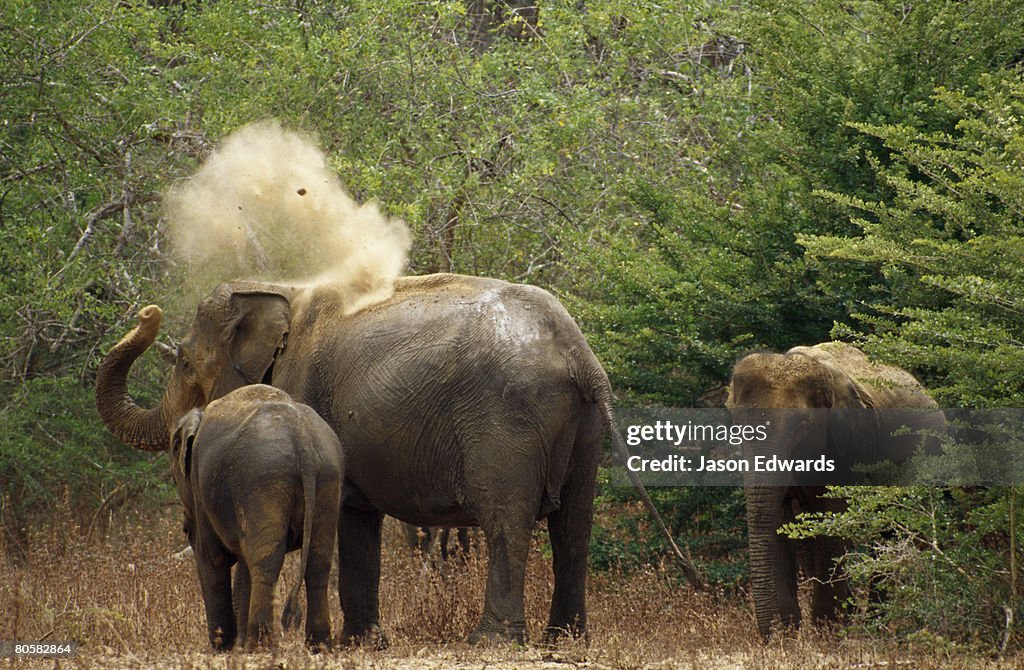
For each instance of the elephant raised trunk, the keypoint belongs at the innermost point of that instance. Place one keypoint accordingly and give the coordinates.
(133, 425)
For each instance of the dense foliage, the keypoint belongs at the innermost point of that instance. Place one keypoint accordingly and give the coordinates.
(947, 245)
(695, 181)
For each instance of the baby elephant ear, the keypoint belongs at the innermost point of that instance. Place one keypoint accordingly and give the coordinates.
(182, 439)
(259, 331)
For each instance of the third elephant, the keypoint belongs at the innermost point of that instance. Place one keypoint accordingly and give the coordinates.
(422, 540)
(830, 401)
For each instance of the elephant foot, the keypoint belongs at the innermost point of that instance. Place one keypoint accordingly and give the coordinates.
(554, 634)
(263, 639)
(259, 636)
(372, 637)
(223, 641)
(505, 632)
(318, 642)
(784, 627)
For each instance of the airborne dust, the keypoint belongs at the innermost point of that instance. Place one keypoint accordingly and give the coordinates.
(266, 205)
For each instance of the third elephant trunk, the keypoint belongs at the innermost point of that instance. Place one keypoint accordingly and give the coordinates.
(764, 516)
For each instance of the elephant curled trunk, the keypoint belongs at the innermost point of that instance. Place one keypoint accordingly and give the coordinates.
(133, 425)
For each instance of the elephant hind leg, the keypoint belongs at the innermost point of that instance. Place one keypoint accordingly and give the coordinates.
(215, 578)
(508, 544)
(265, 562)
(569, 528)
(318, 566)
(240, 597)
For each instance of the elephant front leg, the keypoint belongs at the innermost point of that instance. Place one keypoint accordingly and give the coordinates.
(786, 572)
(504, 618)
(359, 576)
(831, 589)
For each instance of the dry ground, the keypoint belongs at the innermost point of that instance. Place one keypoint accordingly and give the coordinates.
(132, 604)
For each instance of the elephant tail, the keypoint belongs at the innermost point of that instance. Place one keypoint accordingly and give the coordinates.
(291, 617)
(601, 394)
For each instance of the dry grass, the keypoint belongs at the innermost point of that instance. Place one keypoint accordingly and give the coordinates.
(131, 604)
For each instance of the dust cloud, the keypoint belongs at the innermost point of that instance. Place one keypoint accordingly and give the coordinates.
(266, 205)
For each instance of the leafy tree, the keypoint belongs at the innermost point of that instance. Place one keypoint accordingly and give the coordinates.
(682, 176)
(497, 157)
(947, 244)
(710, 265)
(83, 138)
(907, 114)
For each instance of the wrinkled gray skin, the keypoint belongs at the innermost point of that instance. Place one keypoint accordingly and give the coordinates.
(829, 379)
(422, 539)
(259, 475)
(460, 401)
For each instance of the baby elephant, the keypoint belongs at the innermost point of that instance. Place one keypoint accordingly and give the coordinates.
(259, 475)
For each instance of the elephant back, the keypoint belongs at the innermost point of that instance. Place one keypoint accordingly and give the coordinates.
(886, 385)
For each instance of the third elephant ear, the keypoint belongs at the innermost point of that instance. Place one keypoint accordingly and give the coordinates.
(828, 400)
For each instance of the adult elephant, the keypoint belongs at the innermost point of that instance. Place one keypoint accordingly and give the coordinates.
(460, 401)
(835, 403)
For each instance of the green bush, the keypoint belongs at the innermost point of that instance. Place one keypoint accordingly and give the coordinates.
(706, 522)
(56, 458)
(921, 553)
(948, 244)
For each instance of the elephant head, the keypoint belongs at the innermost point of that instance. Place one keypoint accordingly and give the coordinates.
(234, 339)
(821, 404)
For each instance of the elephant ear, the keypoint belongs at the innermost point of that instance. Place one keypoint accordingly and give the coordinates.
(852, 424)
(833, 386)
(258, 332)
(182, 441)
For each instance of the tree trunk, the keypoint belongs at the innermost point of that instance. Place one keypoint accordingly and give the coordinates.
(488, 18)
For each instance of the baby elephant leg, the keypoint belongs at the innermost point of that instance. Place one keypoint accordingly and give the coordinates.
(264, 554)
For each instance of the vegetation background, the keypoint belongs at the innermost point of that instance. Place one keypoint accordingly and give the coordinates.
(694, 180)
